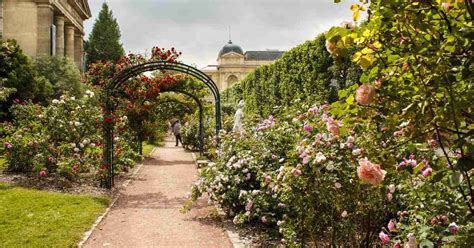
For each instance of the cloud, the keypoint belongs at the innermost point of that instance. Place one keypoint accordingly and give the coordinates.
(199, 28)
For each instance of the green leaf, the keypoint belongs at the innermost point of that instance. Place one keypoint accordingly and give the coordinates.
(455, 179)
(426, 244)
(465, 164)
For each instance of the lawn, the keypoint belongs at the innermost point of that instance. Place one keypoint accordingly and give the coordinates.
(33, 218)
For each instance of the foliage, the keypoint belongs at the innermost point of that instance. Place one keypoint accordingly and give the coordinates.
(18, 79)
(26, 214)
(61, 138)
(104, 40)
(414, 98)
(302, 73)
(62, 74)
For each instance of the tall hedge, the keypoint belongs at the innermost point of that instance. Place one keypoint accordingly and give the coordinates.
(304, 72)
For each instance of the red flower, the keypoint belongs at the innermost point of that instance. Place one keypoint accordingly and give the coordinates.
(108, 120)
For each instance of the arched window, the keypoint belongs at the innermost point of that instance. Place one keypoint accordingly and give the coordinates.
(232, 79)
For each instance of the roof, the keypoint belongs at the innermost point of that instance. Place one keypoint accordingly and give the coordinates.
(263, 55)
(229, 47)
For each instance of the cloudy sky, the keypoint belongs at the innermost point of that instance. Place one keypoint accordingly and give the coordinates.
(199, 28)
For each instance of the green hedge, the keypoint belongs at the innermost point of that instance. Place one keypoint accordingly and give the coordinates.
(304, 72)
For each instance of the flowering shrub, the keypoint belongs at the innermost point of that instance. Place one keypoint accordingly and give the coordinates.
(63, 138)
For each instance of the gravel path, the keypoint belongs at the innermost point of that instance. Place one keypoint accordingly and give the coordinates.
(148, 212)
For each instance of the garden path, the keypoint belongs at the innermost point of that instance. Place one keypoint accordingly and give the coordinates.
(148, 211)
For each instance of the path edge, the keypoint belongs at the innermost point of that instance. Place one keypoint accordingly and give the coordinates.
(230, 230)
(86, 236)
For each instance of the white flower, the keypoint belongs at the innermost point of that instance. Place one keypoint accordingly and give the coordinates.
(344, 214)
(76, 123)
(337, 185)
(330, 166)
(73, 144)
(125, 118)
(391, 188)
(55, 101)
(89, 93)
(320, 158)
(356, 152)
(81, 145)
(92, 144)
(76, 150)
(73, 98)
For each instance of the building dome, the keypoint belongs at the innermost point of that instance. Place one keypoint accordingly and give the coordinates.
(229, 47)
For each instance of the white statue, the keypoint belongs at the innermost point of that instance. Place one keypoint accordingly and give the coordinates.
(239, 114)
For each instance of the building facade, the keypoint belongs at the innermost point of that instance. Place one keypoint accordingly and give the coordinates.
(46, 27)
(233, 64)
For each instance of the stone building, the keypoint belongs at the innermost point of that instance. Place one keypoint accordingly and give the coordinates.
(46, 27)
(233, 64)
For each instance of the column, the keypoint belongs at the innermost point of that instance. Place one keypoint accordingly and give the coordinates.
(45, 17)
(78, 50)
(59, 22)
(69, 41)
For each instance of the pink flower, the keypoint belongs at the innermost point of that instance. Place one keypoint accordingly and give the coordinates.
(333, 127)
(264, 220)
(370, 173)
(391, 188)
(51, 159)
(427, 171)
(296, 172)
(397, 245)
(249, 206)
(384, 238)
(392, 225)
(8, 145)
(365, 94)
(75, 168)
(42, 173)
(453, 228)
(446, 6)
(389, 197)
(308, 128)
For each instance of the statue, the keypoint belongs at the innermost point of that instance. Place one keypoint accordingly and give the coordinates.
(239, 114)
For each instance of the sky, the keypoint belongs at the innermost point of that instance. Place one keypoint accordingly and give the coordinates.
(200, 28)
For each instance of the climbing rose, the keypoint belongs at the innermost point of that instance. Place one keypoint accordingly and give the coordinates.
(384, 238)
(370, 173)
(365, 94)
(42, 173)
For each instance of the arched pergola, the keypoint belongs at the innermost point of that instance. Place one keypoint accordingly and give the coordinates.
(113, 88)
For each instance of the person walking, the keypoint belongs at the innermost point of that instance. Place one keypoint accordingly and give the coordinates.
(177, 132)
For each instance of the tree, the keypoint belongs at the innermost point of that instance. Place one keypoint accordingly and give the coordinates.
(104, 41)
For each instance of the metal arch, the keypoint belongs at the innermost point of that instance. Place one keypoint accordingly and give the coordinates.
(201, 111)
(135, 70)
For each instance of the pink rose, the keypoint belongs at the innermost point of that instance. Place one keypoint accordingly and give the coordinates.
(384, 238)
(392, 225)
(268, 178)
(249, 206)
(427, 171)
(42, 173)
(296, 172)
(397, 245)
(308, 128)
(333, 127)
(370, 173)
(389, 197)
(365, 94)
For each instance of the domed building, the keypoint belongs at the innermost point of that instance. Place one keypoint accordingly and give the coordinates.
(233, 64)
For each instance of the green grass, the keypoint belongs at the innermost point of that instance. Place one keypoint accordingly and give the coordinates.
(33, 218)
(147, 148)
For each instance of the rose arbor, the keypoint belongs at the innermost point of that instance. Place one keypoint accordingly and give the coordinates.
(162, 62)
